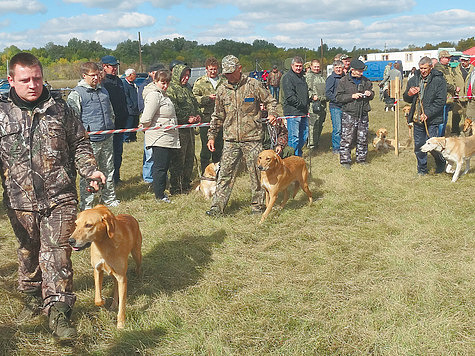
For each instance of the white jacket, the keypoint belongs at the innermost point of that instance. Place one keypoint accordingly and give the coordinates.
(159, 111)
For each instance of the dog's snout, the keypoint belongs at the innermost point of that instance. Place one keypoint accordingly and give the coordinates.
(71, 241)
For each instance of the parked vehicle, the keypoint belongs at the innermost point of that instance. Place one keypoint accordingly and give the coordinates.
(375, 69)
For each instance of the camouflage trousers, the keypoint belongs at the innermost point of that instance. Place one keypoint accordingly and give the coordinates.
(104, 153)
(354, 131)
(315, 127)
(181, 163)
(44, 255)
(232, 154)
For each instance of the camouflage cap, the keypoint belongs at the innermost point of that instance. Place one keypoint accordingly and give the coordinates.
(444, 53)
(230, 63)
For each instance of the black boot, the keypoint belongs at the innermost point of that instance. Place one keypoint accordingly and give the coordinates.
(60, 323)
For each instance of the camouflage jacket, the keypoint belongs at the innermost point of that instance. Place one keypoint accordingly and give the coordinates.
(182, 96)
(316, 86)
(449, 79)
(202, 89)
(237, 110)
(39, 150)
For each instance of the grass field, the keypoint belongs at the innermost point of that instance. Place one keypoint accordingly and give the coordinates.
(382, 263)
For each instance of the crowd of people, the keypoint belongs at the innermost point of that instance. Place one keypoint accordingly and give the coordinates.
(44, 141)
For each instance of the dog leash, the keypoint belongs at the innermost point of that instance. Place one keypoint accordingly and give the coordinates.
(423, 113)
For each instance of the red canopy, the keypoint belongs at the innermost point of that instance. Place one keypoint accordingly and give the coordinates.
(471, 52)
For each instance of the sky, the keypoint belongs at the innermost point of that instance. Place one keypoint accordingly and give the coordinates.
(285, 23)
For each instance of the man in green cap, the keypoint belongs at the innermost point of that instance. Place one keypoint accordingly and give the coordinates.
(237, 113)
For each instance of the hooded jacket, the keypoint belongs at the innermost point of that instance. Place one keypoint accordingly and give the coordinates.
(182, 96)
(40, 150)
(159, 111)
(237, 110)
(433, 100)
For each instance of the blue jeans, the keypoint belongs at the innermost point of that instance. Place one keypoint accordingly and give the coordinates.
(420, 137)
(147, 164)
(442, 126)
(335, 113)
(298, 133)
(132, 123)
(274, 92)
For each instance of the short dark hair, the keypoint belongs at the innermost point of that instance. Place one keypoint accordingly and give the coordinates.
(211, 61)
(25, 59)
(89, 67)
(162, 76)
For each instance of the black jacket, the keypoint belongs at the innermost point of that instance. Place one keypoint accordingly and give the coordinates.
(433, 101)
(346, 88)
(115, 88)
(295, 91)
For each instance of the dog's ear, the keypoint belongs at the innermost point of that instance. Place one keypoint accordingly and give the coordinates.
(109, 221)
(442, 142)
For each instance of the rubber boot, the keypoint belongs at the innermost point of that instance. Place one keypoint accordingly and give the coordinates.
(59, 321)
(32, 304)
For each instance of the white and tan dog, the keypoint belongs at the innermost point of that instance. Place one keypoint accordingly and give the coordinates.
(207, 184)
(455, 150)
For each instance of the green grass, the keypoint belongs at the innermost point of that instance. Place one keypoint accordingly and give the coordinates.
(381, 263)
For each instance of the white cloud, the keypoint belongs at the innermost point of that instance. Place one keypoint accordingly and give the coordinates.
(22, 7)
(107, 21)
(124, 5)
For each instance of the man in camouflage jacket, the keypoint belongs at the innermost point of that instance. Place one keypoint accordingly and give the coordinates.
(318, 103)
(42, 143)
(204, 90)
(187, 112)
(237, 112)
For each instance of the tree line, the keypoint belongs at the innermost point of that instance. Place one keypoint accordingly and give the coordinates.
(62, 62)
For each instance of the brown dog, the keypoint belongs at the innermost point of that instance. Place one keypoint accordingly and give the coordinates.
(111, 238)
(381, 142)
(207, 184)
(277, 174)
(468, 127)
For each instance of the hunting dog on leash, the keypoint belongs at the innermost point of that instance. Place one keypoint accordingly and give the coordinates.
(455, 150)
(207, 184)
(277, 174)
(111, 238)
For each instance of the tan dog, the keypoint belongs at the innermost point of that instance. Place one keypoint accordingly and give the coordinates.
(381, 142)
(406, 109)
(455, 150)
(111, 238)
(277, 174)
(207, 184)
(468, 127)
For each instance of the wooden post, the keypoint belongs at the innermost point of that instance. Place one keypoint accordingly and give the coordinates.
(395, 89)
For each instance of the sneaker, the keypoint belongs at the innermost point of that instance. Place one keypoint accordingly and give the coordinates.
(165, 199)
(114, 203)
(346, 165)
(60, 323)
(32, 304)
(336, 152)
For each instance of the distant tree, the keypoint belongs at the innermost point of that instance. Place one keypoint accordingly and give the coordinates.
(463, 45)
